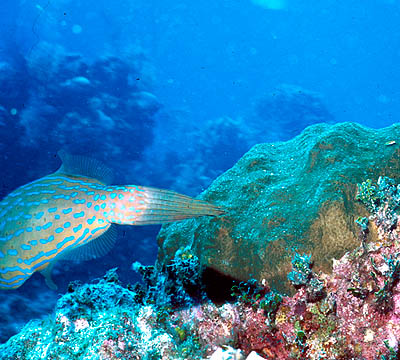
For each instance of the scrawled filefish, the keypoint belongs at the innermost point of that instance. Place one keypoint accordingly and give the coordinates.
(70, 215)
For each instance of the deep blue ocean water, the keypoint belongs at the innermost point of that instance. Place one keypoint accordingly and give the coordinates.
(172, 93)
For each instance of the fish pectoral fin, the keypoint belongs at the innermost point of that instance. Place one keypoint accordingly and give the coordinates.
(95, 248)
(46, 272)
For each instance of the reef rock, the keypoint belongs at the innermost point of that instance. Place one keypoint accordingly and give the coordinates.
(298, 194)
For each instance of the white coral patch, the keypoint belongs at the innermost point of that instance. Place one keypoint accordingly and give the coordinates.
(227, 353)
(369, 335)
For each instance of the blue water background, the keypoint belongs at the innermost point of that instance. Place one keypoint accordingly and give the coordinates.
(179, 90)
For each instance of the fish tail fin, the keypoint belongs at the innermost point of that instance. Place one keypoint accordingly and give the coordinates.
(164, 206)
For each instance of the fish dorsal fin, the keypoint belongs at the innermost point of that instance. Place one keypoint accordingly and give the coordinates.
(76, 165)
(95, 248)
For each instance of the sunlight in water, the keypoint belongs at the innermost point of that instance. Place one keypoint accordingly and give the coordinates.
(271, 4)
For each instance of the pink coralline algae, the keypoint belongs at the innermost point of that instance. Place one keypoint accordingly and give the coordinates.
(353, 313)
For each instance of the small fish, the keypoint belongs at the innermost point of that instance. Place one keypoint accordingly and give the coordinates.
(71, 213)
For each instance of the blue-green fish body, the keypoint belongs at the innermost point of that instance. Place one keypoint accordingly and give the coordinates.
(64, 216)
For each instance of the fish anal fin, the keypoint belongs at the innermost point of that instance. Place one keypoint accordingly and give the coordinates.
(96, 248)
(76, 165)
(46, 272)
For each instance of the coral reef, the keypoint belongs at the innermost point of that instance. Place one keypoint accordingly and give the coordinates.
(54, 99)
(287, 111)
(210, 149)
(281, 197)
(302, 276)
(217, 144)
(103, 100)
(355, 316)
